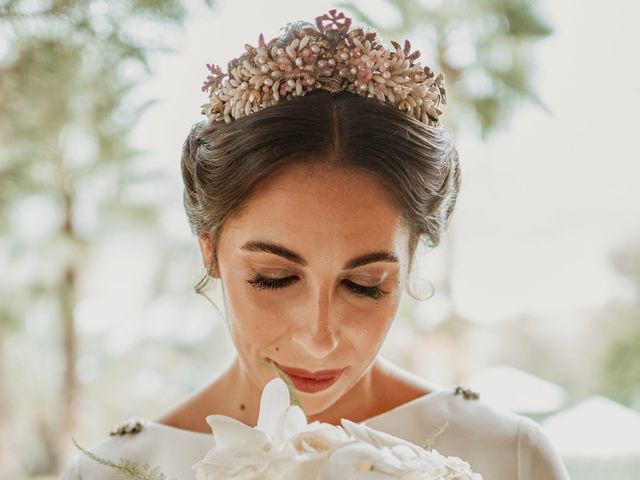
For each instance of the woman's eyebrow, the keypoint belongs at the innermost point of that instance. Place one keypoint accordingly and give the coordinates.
(282, 251)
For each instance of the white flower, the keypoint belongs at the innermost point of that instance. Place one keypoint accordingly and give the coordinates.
(282, 445)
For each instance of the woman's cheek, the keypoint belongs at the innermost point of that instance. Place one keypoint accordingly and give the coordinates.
(367, 331)
(261, 321)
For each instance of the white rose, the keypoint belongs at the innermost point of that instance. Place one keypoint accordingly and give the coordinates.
(319, 437)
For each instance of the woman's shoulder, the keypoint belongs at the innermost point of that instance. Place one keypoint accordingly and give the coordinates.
(466, 414)
(143, 441)
(526, 446)
(458, 407)
(496, 442)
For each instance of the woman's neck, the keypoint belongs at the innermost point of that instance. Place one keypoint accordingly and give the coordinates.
(383, 387)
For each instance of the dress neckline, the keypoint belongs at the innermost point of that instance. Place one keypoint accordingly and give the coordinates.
(437, 392)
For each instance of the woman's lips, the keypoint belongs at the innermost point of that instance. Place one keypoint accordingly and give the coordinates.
(311, 382)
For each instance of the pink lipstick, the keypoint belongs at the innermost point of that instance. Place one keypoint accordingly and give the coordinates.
(311, 382)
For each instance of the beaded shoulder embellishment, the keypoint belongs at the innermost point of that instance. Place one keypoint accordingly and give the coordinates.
(467, 393)
(131, 426)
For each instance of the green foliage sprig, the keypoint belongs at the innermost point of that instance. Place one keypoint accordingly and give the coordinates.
(127, 469)
(428, 443)
(292, 389)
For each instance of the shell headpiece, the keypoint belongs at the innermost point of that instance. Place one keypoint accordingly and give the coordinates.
(330, 57)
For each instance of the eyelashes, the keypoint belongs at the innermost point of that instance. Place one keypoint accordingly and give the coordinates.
(262, 282)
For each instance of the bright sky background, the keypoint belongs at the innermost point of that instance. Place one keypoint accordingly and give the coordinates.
(542, 203)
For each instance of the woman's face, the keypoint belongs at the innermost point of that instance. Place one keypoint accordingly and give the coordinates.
(334, 244)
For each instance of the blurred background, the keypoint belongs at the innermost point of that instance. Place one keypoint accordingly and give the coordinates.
(537, 282)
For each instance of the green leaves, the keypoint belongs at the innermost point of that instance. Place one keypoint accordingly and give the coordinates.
(292, 389)
(428, 443)
(127, 469)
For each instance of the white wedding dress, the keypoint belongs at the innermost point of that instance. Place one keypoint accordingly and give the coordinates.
(498, 444)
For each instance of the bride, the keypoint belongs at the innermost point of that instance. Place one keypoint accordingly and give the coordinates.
(321, 166)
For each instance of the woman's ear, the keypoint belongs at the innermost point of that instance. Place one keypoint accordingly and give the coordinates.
(206, 249)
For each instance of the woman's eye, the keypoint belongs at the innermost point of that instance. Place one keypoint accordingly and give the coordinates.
(261, 282)
(373, 292)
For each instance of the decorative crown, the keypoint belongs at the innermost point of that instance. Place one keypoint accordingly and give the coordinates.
(331, 58)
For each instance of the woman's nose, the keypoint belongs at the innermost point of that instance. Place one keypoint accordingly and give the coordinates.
(317, 332)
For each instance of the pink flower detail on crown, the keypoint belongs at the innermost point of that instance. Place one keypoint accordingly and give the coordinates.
(331, 58)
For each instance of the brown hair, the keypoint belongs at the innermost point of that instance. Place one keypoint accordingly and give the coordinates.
(222, 163)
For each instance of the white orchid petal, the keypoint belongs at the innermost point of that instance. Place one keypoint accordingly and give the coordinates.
(296, 468)
(361, 431)
(273, 404)
(293, 422)
(228, 431)
(349, 461)
(355, 451)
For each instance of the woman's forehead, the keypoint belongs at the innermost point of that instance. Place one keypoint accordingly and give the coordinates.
(326, 210)
(330, 192)
(347, 202)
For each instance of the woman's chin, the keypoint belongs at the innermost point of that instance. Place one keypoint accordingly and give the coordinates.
(313, 405)
(318, 402)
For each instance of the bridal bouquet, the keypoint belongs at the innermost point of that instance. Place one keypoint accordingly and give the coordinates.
(284, 446)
